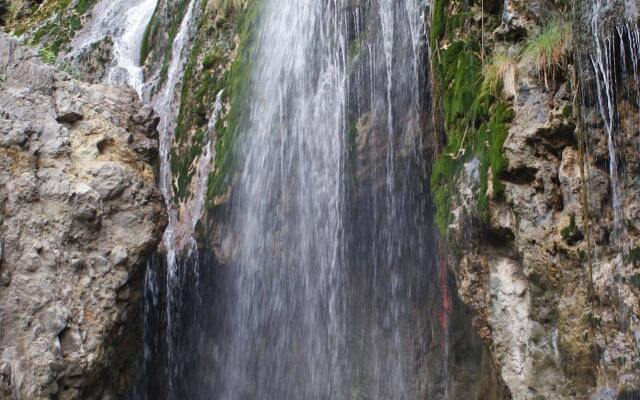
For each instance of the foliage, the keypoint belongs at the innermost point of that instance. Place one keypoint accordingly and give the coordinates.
(548, 51)
(237, 85)
(47, 55)
(149, 32)
(58, 30)
(499, 74)
(228, 6)
(213, 66)
(152, 30)
(475, 118)
(4, 10)
(83, 6)
(572, 233)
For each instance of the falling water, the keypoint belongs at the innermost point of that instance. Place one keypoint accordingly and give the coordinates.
(124, 21)
(330, 290)
(610, 61)
(614, 56)
(166, 106)
(602, 61)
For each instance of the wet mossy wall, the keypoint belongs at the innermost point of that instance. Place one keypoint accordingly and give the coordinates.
(475, 120)
(220, 62)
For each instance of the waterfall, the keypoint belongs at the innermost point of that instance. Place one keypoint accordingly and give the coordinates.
(124, 21)
(609, 61)
(613, 58)
(331, 289)
(166, 105)
(288, 209)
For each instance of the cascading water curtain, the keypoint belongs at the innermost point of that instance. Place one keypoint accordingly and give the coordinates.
(331, 287)
(608, 62)
(611, 63)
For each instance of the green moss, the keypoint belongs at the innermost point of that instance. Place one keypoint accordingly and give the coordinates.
(82, 6)
(4, 10)
(490, 139)
(181, 164)
(181, 9)
(213, 58)
(571, 233)
(582, 256)
(438, 21)
(209, 70)
(150, 31)
(633, 256)
(57, 32)
(593, 320)
(237, 85)
(476, 120)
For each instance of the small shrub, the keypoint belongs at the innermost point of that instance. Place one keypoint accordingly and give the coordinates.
(4, 10)
(633, 256)
(212, 58)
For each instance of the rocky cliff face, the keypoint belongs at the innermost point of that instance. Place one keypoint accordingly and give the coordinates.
(79, 214)
(550, 278)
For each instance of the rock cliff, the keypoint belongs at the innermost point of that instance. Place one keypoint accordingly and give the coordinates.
(544, 254)
(79, 215)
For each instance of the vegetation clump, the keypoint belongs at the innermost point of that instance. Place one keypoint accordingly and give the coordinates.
(214, 67)
(549, 51)
(475, 80)
(571, 233)
(50, 25)
(229, 6)
(633, 256)
(476, 117)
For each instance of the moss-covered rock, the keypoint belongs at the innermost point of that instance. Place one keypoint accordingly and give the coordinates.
(49, 25)
(219, 64)
(475, 120)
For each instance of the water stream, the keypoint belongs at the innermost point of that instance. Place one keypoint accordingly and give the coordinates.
(611, 88)
(614, 59)
(124, 22)
(330, 291)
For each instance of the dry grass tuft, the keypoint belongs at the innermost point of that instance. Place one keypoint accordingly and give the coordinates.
(550, 50)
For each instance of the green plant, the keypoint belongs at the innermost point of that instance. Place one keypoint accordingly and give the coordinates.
(149, 32)
(213, 58)
(476, 118)
(4, 10)
(499, 74)
(572, 233)
(633, 256)
(47, 55)
(227, 6)
(548, 51)
(83, 6)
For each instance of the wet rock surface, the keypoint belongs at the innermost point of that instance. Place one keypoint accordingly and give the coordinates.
(79, 215)
(555, 329)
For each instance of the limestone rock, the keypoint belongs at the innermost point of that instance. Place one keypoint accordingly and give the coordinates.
(80, 215)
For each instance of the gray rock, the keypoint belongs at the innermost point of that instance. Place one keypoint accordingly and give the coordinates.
(80, 214)
(68, 109)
